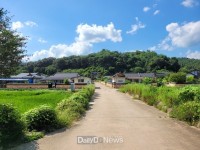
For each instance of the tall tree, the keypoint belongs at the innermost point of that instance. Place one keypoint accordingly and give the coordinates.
(11, 46)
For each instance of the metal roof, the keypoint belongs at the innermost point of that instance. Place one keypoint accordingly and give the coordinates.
(62, 76)
(27, 76)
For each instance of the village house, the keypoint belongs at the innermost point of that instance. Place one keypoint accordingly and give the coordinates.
(118, 78)
(59, 78)
(195, 74)
(138, 77)
(30, 77)
(81, 80)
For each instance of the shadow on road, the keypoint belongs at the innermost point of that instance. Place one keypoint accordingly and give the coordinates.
(27, 146)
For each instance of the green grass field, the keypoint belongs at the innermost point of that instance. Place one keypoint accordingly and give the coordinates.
(25, 100)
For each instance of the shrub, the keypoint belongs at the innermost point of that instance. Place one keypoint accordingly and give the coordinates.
(190, 79)
(159, 82)
(189, 111)
(147, 80)
(66, 81)
(179, 77)
(69, 110)
(71, 105)
(149, 95)
(42, 118)
(168, 96)
(189, 93)
(79, 98)
(11, 126)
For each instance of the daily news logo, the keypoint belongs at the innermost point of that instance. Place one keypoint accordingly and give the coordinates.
(96, 140)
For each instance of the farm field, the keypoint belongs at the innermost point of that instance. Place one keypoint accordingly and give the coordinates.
(25, 100)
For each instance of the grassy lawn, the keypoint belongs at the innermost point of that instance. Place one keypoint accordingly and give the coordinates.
(25, 100)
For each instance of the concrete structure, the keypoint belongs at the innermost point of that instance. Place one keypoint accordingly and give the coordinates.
(81, 80)
(118, 78)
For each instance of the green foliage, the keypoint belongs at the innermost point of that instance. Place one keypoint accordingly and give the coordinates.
(25, 100)
(69, 110)
(66, 81)
(149, 95)
(159, 82)
(33, 135)
(11, 46)
(189, 93)
(147, 80)
(168, 96)
(74, 107)
(11, 126)
(189, 111)
(184, 102)
(179, 77)
(190, 79)
(42, 118)
(189, 65)
(104, 63)
(127, 81)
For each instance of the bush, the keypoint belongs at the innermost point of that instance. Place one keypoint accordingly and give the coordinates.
(149, 95)
(189, 93)
(66, 81)
(168, 96)
(179, 77)
(189, 111)
(190, 79)
(71, 105)
(69, 110)
(11, 126)
(79, 98)
(147, 80)
(42, 118)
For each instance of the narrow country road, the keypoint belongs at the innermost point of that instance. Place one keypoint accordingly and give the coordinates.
(121, 123)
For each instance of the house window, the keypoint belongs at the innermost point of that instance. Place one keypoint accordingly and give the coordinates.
(80, 80)
(120, 81)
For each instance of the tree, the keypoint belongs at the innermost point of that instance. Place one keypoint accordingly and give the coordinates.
(178, 77)
(11, 46)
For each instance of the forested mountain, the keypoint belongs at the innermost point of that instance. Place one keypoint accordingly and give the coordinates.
(188, 65)
(107, 63)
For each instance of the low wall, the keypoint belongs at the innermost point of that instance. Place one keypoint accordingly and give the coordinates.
(40, 86)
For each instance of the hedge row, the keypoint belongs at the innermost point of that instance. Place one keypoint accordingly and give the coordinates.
(74, 107)
(183, 103)
(43, 118)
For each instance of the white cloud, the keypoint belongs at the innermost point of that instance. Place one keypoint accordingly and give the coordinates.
(145, 9)
(182, 36)
(18, 25)
(31, 24)
(42, 40)
(163, 45)
(87, 36)
(186, 35)
(156, 12)
(62, 50)
(96, 34)
(190, 3)
(136, 27)
(193, 54)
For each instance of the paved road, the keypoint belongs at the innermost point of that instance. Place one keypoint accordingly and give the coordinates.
(121, 123)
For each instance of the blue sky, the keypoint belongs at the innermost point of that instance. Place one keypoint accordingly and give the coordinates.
(60, 28)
